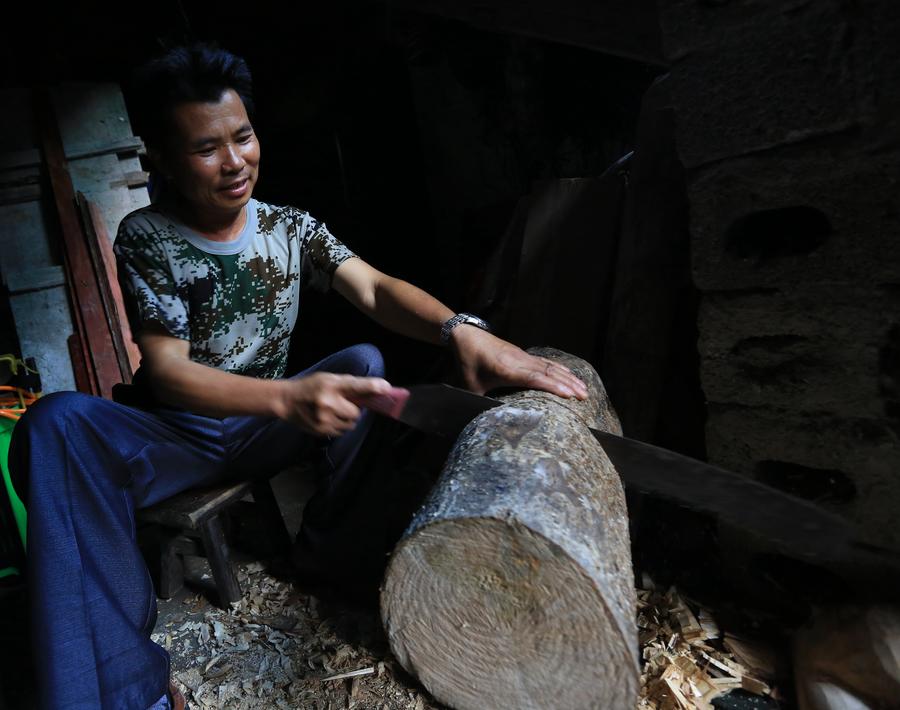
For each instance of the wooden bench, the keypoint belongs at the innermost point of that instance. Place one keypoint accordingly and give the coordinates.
(191, 523)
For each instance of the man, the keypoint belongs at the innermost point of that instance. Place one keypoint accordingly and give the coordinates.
(212, 277)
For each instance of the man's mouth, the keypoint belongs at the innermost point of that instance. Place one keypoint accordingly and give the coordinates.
(236, 188)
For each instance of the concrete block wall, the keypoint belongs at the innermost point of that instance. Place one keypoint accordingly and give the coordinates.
(788, 122)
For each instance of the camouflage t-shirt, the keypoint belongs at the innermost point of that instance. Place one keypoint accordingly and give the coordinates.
(236, 302)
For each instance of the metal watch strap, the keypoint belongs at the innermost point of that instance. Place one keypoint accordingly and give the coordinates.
(460, 319)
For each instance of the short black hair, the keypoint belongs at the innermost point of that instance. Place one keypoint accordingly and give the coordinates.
(199, 71)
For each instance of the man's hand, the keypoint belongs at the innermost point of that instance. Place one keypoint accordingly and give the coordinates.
(488, 362)
(323, 403)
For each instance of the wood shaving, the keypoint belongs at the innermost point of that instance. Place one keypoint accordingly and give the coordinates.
(685, 663)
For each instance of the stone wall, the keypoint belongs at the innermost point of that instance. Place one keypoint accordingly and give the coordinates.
(787, 123)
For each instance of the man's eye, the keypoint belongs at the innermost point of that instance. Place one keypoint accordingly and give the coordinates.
(206, 152)
(245, 139)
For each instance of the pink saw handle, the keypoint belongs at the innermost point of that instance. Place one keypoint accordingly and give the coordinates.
(390, 404)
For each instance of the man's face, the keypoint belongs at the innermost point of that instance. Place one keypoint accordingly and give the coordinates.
(212, 155)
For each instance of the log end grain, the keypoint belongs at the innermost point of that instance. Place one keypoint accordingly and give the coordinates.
(488, 613)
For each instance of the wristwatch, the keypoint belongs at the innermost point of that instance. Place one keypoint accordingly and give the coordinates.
(460, 319)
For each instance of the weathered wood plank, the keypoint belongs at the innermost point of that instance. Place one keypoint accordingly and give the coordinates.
(100, 247)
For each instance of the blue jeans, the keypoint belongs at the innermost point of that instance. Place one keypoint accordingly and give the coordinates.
(85, 464)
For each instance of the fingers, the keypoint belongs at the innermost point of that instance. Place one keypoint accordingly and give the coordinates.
(336, 407)
(330, 415)
(538, 380)
(565, 377)
(514, 367)
(361, 386)
(550, 376)
(323, 403)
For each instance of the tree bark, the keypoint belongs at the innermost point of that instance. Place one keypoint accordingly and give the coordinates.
(513, 586)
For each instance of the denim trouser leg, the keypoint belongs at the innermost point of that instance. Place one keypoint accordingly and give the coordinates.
(87, 463)
(84, 465)
(268, 448)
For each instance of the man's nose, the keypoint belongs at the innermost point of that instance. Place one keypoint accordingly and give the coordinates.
(232, 159)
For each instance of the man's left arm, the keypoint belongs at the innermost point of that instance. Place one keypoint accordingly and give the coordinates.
(486, 361)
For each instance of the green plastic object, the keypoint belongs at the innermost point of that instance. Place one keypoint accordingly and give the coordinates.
(6, 427)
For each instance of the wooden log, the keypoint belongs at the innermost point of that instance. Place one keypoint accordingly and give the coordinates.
(513, 586)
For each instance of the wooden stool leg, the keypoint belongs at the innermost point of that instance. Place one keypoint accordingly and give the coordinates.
(272, 519)
(220, 561)
(171, 568)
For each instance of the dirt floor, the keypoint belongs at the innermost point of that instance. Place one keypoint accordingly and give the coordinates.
(278, 647)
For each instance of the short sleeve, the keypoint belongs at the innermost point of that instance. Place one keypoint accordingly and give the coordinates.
(321, 254)
(148, 285)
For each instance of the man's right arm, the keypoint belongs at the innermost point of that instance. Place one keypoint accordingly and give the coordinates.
(320, 403)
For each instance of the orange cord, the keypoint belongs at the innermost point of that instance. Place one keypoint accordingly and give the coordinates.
(14, 404)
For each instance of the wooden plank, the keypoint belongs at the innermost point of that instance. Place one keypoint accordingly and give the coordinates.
(19, 193)
(31, 157)
(20, 185)
(80, 369)
(27, 158)
(135, 178)
(98, 352)
(127, 145)
(219, 557)
(100, 247)
(41, 277)
(103, 180)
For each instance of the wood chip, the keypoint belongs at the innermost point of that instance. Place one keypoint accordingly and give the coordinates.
(351, 674)
(685, 663)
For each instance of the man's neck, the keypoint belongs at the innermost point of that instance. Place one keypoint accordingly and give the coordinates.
(217, 227)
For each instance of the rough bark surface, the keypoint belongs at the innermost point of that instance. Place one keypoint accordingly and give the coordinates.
(513, 585)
